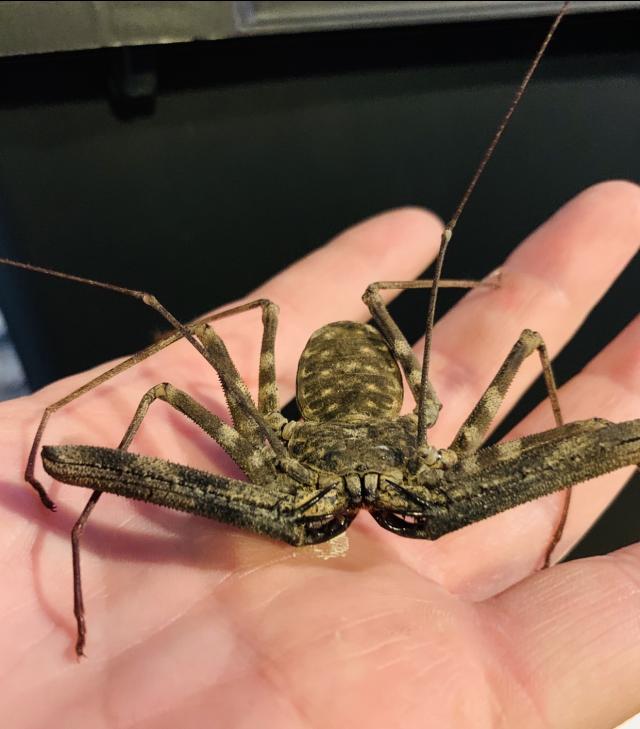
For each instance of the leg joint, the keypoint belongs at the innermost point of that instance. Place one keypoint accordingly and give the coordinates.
(157, 392)
(531, 338)
(269, 309)
(371, 293)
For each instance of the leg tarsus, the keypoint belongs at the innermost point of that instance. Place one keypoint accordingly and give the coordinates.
(78, 602)
(44, 496)
(557, 534)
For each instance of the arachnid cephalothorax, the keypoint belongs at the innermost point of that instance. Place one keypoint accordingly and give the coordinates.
(351, 449)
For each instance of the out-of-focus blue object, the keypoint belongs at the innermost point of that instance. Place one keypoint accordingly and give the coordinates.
(12, 379)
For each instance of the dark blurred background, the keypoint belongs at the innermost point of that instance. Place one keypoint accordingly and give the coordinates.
(196, 170)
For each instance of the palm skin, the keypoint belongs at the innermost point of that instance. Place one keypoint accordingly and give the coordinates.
(193, 623)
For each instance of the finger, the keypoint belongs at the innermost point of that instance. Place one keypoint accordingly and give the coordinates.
(550, 283)
(510, 545)
(328, 284)
(567, 633)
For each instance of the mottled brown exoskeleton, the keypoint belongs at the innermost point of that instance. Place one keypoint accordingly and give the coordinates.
(351, 448)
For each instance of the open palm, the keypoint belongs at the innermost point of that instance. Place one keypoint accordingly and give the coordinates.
(192, 623)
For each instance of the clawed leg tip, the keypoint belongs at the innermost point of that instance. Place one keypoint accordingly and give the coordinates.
(48, 504)
(548, 558)
(44, 496)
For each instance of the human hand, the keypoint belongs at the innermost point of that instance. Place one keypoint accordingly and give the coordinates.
(192, 622)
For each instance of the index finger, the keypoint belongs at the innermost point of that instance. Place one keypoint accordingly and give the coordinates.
(328, 284)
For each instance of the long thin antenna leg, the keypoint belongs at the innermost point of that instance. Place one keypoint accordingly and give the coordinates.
(448, 230)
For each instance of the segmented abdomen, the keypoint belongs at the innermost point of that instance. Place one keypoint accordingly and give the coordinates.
(347, 370)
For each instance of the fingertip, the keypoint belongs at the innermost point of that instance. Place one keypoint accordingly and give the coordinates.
(623, 194)
(584, 246)
(613, 204)
(410, 231)
(412, 219)
(609, 200)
